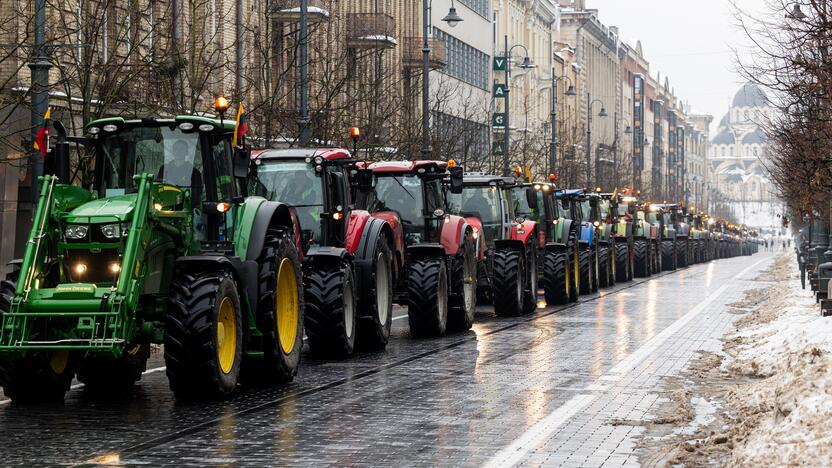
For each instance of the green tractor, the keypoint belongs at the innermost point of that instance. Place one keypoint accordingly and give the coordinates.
(646, 254)
(162, 245)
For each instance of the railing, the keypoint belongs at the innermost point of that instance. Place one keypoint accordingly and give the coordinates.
(371, 30)
(412, 57)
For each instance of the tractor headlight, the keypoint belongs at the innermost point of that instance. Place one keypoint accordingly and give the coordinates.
(114, 231)
(76, 231)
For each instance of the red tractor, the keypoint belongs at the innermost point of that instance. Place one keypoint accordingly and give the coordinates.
(439, 250)
(509, 275)
(348, 257)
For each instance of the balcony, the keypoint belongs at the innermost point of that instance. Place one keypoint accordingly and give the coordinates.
(371, 31)
(288, 11)
(412, 57)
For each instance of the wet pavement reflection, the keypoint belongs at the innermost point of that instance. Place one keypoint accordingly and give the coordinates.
(450, 401)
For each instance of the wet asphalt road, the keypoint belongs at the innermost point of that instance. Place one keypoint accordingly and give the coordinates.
(490, 395)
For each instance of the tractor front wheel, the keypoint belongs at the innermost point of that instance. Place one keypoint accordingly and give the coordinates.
(509, 285)
(42, 376)
(668, 255)
(530, 288)
(463, 300)
(377, 297)
(203, 335)
(642, 258)
(622, 260)
(585, 265)
(108, 376)
(330, 310)
(556, 280)
(427, 287)
(604, 267)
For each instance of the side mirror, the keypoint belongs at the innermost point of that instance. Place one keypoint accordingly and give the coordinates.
(365, 180)
(456, 179)
(531, 198)
(242, 162)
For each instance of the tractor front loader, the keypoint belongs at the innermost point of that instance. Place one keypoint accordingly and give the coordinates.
(160, 246)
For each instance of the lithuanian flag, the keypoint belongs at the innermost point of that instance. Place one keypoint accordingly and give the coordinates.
(42, 137)
(241, 127)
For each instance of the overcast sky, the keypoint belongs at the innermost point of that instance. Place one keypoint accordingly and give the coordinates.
(691, 41)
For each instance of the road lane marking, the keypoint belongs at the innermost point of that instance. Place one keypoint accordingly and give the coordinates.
(400, 317)
(541, 431)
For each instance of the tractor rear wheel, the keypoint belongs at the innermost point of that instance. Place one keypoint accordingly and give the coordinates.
(585, 265)
(574, 267)
(102, 375)
(330, 318)
(42, 376)
(463, 300)
(509, 285)
(377, 298)
(279, 312)
(427, 288)
(203, 335)
(622, 262)
(556, 280)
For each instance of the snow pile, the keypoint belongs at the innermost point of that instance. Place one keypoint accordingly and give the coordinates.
(785, 414)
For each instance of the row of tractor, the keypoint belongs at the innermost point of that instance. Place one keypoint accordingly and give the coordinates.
(232, 258)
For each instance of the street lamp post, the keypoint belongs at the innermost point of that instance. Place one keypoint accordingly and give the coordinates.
(603, 113)
(627, 131)
(452, 19)
(527, 63)
(570, 91)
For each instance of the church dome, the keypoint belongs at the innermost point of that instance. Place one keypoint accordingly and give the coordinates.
(757, 137)
(725, 137)
(750, 95)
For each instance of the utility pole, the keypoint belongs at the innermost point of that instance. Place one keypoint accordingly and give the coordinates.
(175, 37)
(238, 50)
(40, 92)
(303, 117)
(553, 151)
(588, 140)
(507, 144)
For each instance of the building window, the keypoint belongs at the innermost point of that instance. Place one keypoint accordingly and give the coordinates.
(479, 7)
(464, 139)
(465, 63)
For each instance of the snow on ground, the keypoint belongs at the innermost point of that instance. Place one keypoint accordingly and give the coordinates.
(789, 347)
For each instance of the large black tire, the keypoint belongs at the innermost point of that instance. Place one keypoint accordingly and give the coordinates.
(657, 257)
(508, 286)
(682, 253)
(427, 287)
(103, 375)
(530, 287)
(585, 265)
(556, 278)
(668, 255)
(642, 257)
(622, 262)
(376, 296)
(463, 300)
(330, 315)
(202, 306)
(603, 267)
(574, 268)
(278, 263)
(37, 377)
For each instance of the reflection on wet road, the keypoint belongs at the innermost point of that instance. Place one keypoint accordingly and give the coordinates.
(506, 392)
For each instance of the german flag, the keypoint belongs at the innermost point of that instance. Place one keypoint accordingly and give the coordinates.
(241, 127)
(42, 137)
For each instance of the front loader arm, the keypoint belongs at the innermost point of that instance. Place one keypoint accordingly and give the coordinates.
(34, 246)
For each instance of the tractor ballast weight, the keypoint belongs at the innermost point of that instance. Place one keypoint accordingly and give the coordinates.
(438, 249)
(349, 256)
(509, 273)
(153, 253)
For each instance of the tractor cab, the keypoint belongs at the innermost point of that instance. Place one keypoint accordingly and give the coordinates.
(315, 182)
(490, 202)
(582, 210)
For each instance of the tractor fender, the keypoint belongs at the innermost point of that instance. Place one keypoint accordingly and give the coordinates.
(566, 229)
(510, 244)
(523, 231)
(452, 235)
(245, 272)
(426, 250)
(363, 260)
(355, 229)
(318, 254)
(394, 223)
(555, 247)
(476, 224)
(587, 233)
(271, 214)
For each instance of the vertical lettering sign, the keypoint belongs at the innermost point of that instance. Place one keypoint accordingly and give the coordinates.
(680, 156)
(671, 155)
(657, 145)
(638, 124)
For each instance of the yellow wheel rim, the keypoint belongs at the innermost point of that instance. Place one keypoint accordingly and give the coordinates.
(226, 335)
(286, 305)
(58, 360)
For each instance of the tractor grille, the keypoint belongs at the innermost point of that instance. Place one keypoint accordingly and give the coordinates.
(98, 266)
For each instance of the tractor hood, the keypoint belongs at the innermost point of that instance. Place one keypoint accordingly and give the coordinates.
(104, 210)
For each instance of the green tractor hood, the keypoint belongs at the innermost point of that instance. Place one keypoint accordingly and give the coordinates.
(104, 210)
